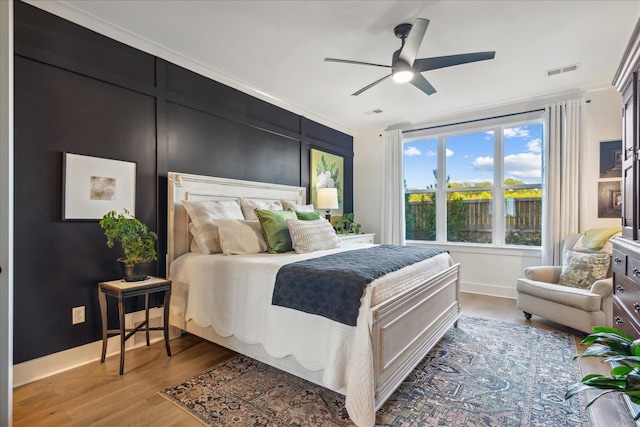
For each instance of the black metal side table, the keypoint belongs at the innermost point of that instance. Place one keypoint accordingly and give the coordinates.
(120, 289)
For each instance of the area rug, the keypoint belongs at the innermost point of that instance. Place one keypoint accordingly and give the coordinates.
(482, 373)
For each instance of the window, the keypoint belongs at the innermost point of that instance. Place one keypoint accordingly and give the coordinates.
(481, 200)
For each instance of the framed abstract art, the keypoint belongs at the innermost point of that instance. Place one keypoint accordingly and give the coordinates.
(93, 186)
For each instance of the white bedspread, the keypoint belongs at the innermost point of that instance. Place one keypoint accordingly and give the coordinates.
(232, 294)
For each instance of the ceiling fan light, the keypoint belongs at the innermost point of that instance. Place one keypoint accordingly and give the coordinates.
(402, 76)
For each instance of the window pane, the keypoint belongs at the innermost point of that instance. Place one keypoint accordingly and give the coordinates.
(420, 172)
(469, 160)
(523, 165)
(523, 217)
(420, 164)
(469, 216)
(523, 155)
(420, 216)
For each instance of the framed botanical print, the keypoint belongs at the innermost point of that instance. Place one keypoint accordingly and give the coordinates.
(327, 170)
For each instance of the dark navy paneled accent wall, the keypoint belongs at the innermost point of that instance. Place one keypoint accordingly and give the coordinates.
(81, 92)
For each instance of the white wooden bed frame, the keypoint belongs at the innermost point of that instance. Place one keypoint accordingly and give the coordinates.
(404, 328)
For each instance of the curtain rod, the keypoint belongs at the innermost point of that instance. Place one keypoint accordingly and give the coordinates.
(472, 121)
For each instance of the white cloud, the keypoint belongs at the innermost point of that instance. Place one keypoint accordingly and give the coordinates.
(523, 165)
(516, 132)
(535, 145)
(431, 153)
(449, 153)
(412, 151)
(485, 163)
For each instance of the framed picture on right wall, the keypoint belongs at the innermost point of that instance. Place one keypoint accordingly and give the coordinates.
(609, 199)
(611, 159)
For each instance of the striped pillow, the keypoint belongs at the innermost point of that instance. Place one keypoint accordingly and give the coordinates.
(296, 207)
(241, 237)
(309, 236)
(193, 246)
(250, 205)
(202, 215)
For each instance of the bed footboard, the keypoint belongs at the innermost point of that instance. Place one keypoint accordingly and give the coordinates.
(407, 326)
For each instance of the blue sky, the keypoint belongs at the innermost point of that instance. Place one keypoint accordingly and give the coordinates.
(469, 157)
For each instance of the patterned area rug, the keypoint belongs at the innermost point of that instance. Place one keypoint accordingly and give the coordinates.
(483, 373)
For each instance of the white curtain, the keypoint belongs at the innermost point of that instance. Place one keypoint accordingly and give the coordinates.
(561, 174)
(392, 190)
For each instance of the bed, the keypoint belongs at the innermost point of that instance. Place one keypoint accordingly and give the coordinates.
(402, 315)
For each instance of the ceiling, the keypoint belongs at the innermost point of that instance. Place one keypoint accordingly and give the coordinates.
(275, 49)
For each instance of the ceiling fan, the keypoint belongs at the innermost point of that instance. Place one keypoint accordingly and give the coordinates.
(404, 65)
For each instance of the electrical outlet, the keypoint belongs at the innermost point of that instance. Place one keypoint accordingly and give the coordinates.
(77, 314)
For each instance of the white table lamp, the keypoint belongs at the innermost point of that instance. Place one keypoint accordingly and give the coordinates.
(327, 200)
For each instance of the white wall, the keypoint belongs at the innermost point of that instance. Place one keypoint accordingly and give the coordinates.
(367, 180)
(493, 271)
(603, 122)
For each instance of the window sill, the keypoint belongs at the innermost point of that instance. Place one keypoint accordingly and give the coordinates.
(471, 248)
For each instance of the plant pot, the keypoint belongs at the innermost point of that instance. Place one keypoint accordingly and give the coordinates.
(135, 273)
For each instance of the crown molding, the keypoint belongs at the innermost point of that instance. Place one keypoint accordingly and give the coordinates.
(630, 60)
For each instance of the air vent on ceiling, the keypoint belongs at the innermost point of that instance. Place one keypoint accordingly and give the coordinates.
(562, 70)
(372, 112)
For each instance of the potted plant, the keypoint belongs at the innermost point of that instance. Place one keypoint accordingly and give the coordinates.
(138, 243)
(345, 224)
(624, 353)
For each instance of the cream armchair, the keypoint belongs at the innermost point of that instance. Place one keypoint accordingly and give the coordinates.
(538, 293)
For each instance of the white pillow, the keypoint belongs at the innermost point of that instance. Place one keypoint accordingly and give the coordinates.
(296, 207)
(241, 237)
(193, 247)
(250, 205)
(202, 215)
(309, 236)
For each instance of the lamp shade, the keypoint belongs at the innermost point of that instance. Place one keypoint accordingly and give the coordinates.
(327, 198)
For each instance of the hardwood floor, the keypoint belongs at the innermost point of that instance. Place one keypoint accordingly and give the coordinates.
(95, 395)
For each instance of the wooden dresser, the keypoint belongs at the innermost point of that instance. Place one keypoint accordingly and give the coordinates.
(626, 286)
(626, 250)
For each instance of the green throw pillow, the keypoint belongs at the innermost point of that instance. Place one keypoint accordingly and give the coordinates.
(276, 232)
(308, 216)
(596, 238)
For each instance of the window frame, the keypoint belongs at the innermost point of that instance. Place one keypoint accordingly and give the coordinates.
(498, 220)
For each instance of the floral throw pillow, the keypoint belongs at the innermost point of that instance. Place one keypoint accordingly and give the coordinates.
(581, 269)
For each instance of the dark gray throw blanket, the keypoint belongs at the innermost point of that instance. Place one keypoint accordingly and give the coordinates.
(332, 285)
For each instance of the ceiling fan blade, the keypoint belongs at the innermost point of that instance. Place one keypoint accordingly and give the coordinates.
(421, 83)
(414, 40)
(370, 86)
(426, 64)
(346, 61)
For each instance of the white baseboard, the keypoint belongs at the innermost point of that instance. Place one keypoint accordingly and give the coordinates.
(42, 367)
(490, 290)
